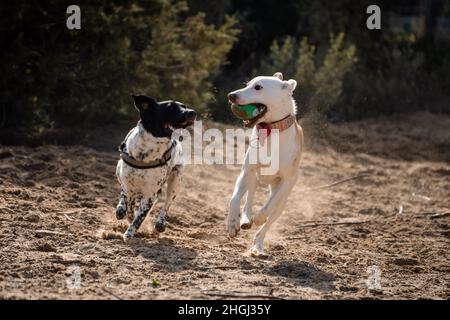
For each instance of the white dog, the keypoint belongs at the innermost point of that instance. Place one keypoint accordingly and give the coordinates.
(275, 97)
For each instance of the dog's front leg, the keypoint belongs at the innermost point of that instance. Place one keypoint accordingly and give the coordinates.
(173, 182)
(247, 217)
(122, 207)
(273, 209)
(241, 187)
(262, 214)
(146, 204)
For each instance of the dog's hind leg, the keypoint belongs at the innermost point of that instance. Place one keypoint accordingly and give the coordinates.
(145, 206)
(274, 208)
(246, 219)
(130, 211)
(122, 207)
(173, 182)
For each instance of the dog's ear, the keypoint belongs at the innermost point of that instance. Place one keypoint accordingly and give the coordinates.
(290, 85)
(279, 75)
(142, 103)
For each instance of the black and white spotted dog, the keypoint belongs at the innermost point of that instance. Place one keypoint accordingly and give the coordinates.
(149, 159)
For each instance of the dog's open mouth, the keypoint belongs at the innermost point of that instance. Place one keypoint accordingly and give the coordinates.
(170, 128)
(262, 110)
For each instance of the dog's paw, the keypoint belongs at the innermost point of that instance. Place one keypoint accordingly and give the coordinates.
(160, 225)
(233, 226)
(260, 218)
(257, 250)
(246, 223)
(121, 212)
(128, 235)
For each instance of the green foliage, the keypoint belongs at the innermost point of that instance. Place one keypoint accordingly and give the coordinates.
(281, 58)
(156, 283)
(327, 82)
(181, 59)
(396, 71)
(55, 77)
(320, 83)
(401, 82)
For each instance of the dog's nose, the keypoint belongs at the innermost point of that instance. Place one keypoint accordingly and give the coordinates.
(191, 114)
(232, 97)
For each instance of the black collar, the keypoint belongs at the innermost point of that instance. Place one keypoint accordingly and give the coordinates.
(132, 162)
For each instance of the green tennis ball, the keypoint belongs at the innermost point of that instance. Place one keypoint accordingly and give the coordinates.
(245, 112)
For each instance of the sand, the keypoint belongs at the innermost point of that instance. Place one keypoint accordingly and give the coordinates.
(382, 235)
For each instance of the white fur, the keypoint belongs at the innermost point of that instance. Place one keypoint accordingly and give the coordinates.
(276, 94)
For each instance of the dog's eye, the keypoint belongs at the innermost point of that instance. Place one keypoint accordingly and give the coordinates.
(258, 87)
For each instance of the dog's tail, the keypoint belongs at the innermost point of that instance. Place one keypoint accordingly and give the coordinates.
(300, 140)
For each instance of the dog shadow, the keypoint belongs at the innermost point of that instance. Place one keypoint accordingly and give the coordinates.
(303, 274)
(166, 254)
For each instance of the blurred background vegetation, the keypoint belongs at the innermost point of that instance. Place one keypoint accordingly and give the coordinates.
(196, 51)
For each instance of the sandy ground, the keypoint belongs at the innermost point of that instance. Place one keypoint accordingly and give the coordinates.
(389, 228)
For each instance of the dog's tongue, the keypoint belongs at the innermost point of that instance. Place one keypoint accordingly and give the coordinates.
(263, 132)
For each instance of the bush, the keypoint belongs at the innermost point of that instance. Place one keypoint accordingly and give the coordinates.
(320, 83)
(399, 83)
(55, 77)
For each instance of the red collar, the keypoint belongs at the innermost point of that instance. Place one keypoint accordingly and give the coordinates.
(264, 129)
